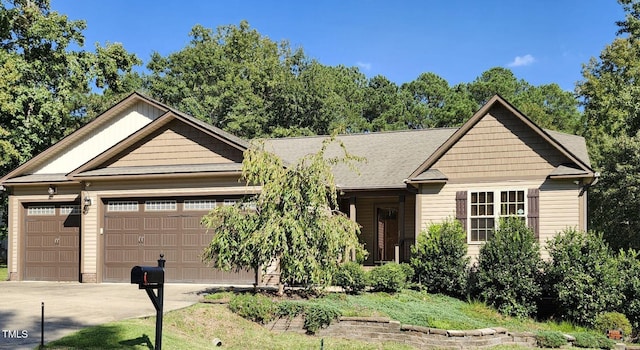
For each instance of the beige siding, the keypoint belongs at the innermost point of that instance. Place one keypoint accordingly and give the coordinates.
(178, 143)
(559, 204)
(499, 146)
(14, 226)
(118, 128)
(559, 209)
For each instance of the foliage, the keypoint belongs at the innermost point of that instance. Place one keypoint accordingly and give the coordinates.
(590, 340)
(614, 201)
(254, 307)
(319, 316)
(45, 80)
(609, 88)
(583, 276)
(440, 260)
(351, 277)
(612, 320)
(507, 274)
(295, 221)
(389, 277)
(629, 267)
(290, 309)
(550, 339)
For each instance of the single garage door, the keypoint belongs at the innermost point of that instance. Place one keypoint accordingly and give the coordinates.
(52, 242)
(137, 231)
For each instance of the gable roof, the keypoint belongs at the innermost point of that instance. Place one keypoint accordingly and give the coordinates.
(393, 159)
(24, 173)
(571, 146)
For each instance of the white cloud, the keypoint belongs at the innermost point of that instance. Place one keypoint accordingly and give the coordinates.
(364, 65)
(520, 61)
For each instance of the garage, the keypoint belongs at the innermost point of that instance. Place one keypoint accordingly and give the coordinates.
(138, 230)
(52, 242)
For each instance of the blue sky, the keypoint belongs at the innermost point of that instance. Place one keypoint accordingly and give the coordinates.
(542, 42)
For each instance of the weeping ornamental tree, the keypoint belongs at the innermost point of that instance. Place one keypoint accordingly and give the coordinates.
(293, 221)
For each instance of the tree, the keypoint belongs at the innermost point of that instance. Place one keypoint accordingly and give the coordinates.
(609, 89)
(434, 104)
(293, 221)
(45, 82)
(233, 78)
(614, 203)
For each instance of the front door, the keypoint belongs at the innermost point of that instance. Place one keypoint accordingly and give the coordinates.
(387, 234)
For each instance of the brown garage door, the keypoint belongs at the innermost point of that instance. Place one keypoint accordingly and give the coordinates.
(137, 231)
(52, 241)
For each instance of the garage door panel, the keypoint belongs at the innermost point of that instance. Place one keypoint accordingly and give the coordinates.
(170, 223)
(192, 223)
(190, 240)
(52, 242)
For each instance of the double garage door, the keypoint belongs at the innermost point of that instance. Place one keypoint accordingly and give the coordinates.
(137, 231)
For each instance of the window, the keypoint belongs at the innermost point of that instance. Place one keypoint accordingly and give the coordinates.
(160, 205)
(199, 204)
(41, 210)
(487, 207)
(70, 209)
(120, 206)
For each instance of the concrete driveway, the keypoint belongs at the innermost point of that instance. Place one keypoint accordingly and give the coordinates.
(69, 307)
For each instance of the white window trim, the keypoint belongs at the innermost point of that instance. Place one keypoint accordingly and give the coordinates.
(157, 205)
(496, 208)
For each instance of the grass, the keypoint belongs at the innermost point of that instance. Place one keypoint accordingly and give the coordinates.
(4, 275)
(195, 327)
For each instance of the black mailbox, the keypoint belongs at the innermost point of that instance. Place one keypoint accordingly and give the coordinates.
(147, 275)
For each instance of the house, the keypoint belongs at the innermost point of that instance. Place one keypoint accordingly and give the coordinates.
(135, 181)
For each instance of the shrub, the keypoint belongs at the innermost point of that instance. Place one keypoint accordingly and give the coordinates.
(590, 340)
(550, 339)
(629, 267)
(583, 276)
(612, 320)
(508, 270)
(319, 316)
(389, 277)
(257, 308)
(440, 260)
(290, 309)
(351, 277)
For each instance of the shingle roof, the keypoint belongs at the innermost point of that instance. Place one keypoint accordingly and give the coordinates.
(390, 156)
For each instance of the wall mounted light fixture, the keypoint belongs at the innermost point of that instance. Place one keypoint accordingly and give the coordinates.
(87, 202)
(52, 190)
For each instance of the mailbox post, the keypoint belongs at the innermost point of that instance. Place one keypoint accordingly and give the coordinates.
(150, 278)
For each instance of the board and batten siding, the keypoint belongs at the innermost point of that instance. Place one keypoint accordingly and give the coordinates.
(559, 205)
(102, 138)
(177, 143)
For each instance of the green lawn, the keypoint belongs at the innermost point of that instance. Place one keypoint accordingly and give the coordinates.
(4, 275)
(195, 327)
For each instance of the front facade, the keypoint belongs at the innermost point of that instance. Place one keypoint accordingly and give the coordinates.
(134, 183)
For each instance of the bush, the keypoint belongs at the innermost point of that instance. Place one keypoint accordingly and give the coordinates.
(590, 340)
(629, 267)
(351, 277)
(583, 276)
(257, 308)
(389, 277)
(507, 276)
(319, 316)
(612, 320)
(550, 339)
(440, 260)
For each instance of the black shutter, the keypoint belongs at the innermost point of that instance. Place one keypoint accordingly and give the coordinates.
(461, 208)
(533, 215)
